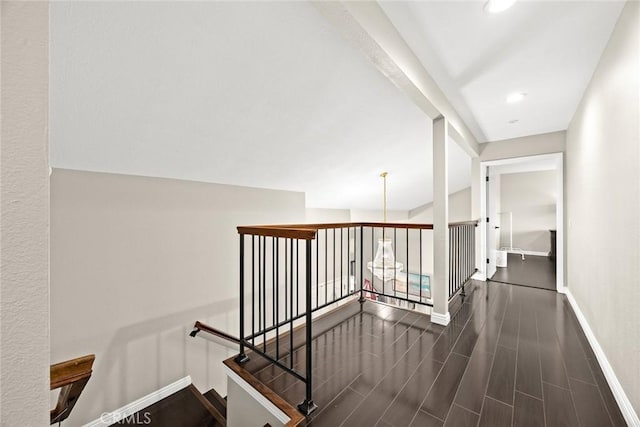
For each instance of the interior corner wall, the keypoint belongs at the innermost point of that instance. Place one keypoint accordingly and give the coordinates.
(603, 202)
(459, 209)
(24, 214)
(134, 262)
(531, 198)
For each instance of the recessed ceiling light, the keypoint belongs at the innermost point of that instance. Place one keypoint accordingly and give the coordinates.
(516, 97)
(513, 121)
(495, 6)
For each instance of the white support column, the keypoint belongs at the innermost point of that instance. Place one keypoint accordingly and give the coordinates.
(440, 290)
(476, 213)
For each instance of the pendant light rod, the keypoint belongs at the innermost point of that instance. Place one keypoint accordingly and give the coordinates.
(384, 196)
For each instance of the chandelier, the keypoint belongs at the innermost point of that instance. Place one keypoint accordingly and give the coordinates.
(384, 265)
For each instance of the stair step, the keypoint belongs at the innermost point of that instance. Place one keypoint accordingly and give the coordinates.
(219, 402)
(186, 407)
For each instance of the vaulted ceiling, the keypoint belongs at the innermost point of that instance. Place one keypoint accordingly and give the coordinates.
(270, 95)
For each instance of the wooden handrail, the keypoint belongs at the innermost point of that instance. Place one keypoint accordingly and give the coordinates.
(199, 326)
(71, 377)
(279, 231)
(309, 231)
(461, 223)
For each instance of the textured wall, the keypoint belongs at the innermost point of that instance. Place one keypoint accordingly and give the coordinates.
(24, 216)
(134, 262)
(603, 202)
(531, 198)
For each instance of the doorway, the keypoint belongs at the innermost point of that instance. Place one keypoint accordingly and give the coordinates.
(524, 221)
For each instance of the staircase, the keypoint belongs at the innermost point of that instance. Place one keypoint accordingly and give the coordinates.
(186, 408)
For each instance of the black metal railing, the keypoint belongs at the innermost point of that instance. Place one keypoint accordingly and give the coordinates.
(462, 255)
(289, 272)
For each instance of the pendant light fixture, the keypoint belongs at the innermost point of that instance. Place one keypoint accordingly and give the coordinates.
(384, 265)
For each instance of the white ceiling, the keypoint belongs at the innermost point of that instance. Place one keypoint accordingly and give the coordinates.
(255, 94)
(548, 49)
(268, 94)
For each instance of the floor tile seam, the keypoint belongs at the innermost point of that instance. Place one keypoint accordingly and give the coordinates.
(465, 408)
(573, 403)
(328, 405)
(376, 385)
(493, 359)
(499, 401)
(426, 411)
(515, 366)
(460, 334)
(521, 285)
(577, 331)
(317, 386)
(414, 417)
(583, 381)
(409, 379)
(432, 385)
(601, 393)
(544, 409)
(482, 326)
(528, 395)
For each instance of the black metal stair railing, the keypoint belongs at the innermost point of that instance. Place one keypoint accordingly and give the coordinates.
(290, 272)
(462, 256)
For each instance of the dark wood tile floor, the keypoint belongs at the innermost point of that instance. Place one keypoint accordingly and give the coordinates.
(534, 271)
(511, 356)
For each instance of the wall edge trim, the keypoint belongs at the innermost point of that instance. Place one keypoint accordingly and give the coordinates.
(107, 418)
(621, 397)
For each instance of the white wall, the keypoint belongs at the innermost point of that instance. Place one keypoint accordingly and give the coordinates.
(533, 145)
(24, 215)
(459, 209)
(134, 262)
(321, 216)
(373, 215)
(603, 202)
(531, 198)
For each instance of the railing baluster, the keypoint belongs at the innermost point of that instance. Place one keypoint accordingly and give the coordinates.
(317, 270)
(260, 328)
(361, 281)
(408, 269)
(326, 266)
(333, 296)
(285, 277)
(307, 407)
(253, 290)
(291, 310)
(420, 260)
(341, 258)
(277, 286)
(264, 292)
(241, 358)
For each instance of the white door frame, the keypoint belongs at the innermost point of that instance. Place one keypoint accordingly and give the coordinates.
(560, 224)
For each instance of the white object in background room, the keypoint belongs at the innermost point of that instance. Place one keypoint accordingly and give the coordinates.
(510, 248)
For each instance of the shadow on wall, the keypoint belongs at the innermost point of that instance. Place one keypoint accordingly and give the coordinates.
(172, 348)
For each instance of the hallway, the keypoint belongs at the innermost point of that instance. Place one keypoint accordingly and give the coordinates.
(533, 271)
(511, 356)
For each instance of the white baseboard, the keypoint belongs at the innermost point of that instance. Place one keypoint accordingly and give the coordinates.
(624, 403)
(109, 418)
(440, 319)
